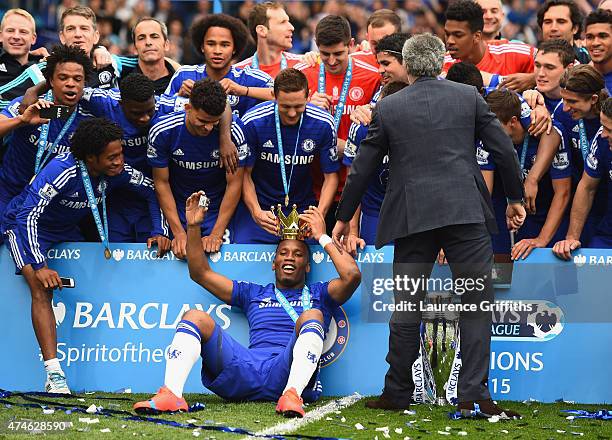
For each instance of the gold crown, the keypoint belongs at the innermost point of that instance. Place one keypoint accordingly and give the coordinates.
(291, 227)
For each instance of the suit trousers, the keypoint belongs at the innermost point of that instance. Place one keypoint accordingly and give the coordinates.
(470, 256)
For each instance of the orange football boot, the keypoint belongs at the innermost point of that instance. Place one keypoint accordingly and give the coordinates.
(164, 401)
(290, 404)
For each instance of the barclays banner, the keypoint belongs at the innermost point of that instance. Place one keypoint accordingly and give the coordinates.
(115, 325)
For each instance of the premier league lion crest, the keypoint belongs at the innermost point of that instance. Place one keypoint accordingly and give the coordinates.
(232, 100)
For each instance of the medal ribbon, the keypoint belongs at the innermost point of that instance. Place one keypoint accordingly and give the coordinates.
(524, 154)
(306, 304)
(343, 94)
(584, 141)
(44, 135)
(101, 224)
(255, 61)
(281, 156)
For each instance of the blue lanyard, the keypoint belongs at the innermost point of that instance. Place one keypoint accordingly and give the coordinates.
(524, 153)
(281, 156)
(306, 305)
(584, 141)
(102, 227)
(255, 62)
(343, 94)
(44, 135)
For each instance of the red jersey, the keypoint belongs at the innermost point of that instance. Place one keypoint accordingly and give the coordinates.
(366, 57)
(365, 82)
(502, 58)
(271, 69)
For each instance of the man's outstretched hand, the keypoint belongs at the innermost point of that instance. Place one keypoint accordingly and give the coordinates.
(315, 220)
(340, 233)
(194, 213)
(515, 216)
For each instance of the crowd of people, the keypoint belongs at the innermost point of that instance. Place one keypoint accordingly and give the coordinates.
(112, 148)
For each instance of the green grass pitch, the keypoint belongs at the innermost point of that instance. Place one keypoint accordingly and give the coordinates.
(540, 421)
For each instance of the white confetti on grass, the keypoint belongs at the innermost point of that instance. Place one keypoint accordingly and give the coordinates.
(311, 416)
(443, 433)
(92, 409)
(105, 430)
(48, 411)
(359, 426)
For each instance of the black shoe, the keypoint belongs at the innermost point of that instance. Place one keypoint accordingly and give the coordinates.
(383, 402)
(487, 408)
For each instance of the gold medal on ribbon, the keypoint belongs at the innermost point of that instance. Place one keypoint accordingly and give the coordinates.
(287, 200)
(107, 253)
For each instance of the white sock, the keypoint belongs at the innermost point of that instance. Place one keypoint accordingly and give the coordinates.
(52, 365)
(306, 353)
(182, 355)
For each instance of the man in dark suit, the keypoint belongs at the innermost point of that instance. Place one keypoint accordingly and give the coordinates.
(436, 198)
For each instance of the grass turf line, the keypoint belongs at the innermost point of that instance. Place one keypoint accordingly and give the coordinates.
(541, 421)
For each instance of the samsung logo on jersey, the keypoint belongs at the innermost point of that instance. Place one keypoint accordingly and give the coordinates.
(196, 165)
(267, 302)
(77, 205)
(135, 142)
(347, 110)
(288, 158)
(59, 149)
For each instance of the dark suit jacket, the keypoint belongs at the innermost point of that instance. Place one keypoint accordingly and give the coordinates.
(429, 131)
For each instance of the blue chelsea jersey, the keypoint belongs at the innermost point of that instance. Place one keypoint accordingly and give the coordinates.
(193, 161)
(270, 326)
(375, 192)
(20, 158)
(317, 138)
(248, 77)
(53, 204)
